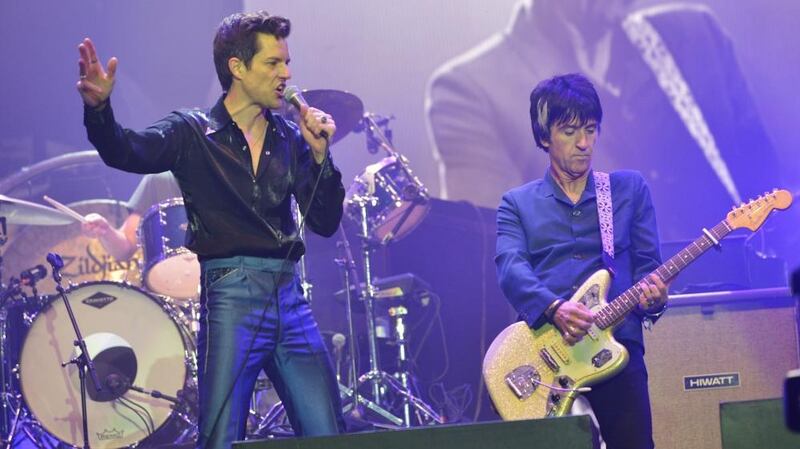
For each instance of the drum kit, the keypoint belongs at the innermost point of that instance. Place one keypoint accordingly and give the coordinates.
(134, 322)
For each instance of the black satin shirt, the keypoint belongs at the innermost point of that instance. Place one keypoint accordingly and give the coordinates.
(231, 210)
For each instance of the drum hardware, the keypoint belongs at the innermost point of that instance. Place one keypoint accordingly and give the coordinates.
(12, 296)
(82, 361)
(3, 235)
(4, 381)
(380, 381)
(170, 269)
(350, 277)
(381, 122)
(272, 422)
(395, 199)
(155, 405)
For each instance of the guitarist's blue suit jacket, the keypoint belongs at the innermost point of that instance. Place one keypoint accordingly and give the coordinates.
(547, 246)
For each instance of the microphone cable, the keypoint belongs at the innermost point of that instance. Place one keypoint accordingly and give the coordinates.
(276, 285)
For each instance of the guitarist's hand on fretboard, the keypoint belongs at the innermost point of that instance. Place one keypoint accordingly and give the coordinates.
(654, 294)
(573, 319)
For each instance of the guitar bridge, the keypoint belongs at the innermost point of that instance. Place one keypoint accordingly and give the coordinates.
(522, 381)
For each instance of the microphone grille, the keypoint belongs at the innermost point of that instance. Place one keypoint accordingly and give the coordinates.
(290, 92)
(338, 340)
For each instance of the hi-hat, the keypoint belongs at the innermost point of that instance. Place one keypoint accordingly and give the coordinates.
(346, 108)
(21, 212)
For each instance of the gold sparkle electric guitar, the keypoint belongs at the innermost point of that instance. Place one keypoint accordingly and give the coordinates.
(534, 373)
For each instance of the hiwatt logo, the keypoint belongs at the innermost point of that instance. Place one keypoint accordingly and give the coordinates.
(708, 381)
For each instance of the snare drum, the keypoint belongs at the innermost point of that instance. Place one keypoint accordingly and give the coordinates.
(133, 338)
(399, 200)
(169, 268)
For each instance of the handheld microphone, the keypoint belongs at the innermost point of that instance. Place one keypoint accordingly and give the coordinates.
(293, 95)
(338, 340)
(117, 384)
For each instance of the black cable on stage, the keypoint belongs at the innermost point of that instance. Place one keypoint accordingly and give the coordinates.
(276, 284)
(144, 415)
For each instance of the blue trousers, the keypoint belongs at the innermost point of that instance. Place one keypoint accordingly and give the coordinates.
(245, 328)
(622, 404)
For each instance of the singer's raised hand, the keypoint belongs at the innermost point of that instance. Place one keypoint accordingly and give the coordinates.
(96, 82)
(312, 124)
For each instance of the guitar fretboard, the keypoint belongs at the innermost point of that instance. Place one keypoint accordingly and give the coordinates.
(620, 306)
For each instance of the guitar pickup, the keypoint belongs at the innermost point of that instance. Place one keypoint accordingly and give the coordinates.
(601, 358)
(522, 381)
(549, 360)
(561, 352)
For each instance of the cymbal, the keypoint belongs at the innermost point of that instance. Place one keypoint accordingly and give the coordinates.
(346, 108)
(21, 212)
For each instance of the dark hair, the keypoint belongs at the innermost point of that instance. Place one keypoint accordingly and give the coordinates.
(237, 37)
(563, 99)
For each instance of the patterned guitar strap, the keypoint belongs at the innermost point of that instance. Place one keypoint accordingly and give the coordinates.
(602, 188)
(658, 57)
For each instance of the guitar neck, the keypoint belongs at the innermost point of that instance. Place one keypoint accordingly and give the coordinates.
(623, 304)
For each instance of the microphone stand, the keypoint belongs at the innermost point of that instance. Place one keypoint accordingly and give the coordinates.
(4, 375)
(82, 360)
(351, 278)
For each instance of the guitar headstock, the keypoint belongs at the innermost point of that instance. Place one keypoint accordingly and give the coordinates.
(752, 214)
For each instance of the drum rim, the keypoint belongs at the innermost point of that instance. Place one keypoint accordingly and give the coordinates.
(147, 268)
(165, 252)
(169, 202)
(165, 306)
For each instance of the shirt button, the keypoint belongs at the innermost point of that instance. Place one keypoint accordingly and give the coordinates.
(576, 212)
(577, 256)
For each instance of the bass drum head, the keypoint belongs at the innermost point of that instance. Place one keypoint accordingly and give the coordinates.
(121, 318)
(85, 259)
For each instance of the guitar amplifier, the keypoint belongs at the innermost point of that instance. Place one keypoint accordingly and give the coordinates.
(717, 347)
(735, 265)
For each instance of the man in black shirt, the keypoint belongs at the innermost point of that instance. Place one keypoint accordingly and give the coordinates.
(237, 165)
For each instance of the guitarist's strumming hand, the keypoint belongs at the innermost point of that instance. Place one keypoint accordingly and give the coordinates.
(573, 319)
(654, 294)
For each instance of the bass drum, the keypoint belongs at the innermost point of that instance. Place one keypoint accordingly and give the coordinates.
(134, 341)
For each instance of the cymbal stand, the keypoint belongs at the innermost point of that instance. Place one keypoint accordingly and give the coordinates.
(368, 297)
(5, 379)
(379, 139)
(378, 379)
(350, 273)
(347, 263)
